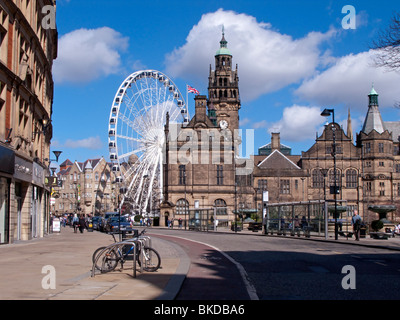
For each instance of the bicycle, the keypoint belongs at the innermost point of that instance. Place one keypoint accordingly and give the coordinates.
(106, 260)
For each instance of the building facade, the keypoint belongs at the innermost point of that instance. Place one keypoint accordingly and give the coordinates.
(28, 46)
(205, 176)
(87, 188)
(365, 170)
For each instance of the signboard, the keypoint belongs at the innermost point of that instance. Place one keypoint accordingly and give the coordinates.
(51, 181)
(265, 196)
(56, 225)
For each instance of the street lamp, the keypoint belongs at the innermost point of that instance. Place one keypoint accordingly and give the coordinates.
(327, 113)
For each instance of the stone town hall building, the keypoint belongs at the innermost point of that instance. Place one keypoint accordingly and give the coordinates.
(367, 169)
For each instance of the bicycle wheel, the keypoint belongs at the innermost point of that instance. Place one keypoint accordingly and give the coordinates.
(105, 260)
(151, 260)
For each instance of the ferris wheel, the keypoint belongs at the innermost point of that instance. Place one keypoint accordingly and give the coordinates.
(136, 135)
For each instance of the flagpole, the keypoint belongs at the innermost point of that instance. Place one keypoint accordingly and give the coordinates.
(187, 99)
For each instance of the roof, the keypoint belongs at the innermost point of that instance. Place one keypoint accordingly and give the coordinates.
(394, 128)
(223, 50)
(277, 160)
(373, 121)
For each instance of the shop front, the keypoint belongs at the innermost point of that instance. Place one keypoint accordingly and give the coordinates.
(7, 160)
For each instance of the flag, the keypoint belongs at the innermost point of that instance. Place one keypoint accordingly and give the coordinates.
(192, 90)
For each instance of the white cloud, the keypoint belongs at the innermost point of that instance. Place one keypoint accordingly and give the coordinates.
(298, 123)
(348, 81)
(267, 59)
(93, 143)
(87, 54)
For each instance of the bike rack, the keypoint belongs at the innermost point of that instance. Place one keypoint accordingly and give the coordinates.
(137, 242)
(119, 245)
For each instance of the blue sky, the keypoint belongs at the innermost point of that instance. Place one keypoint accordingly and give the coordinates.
(294, 59)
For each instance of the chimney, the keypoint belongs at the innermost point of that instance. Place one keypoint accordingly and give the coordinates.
(275, 141)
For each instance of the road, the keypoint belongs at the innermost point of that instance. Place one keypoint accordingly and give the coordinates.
(289, 268)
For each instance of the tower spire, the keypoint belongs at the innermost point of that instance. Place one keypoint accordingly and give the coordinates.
(373, 120)
(349, 127)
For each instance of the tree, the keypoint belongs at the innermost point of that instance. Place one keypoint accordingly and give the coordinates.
(387, 46)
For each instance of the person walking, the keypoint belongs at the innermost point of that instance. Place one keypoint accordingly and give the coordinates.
(356, 223)
(82, 223)
(75, 222)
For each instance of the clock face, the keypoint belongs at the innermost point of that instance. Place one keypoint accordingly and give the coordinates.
(223, 124)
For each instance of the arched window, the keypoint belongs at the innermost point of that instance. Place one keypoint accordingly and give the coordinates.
(317, 178)
(332, 178)
(351, 178)
(220, 205)
(182, 206)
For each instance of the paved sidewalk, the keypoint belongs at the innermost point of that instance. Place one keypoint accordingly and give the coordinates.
(70, 254)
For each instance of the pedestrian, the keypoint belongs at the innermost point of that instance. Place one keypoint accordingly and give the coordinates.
(216, 224)
(180, 223)
(82, 223)
(356, 223)
(396, 230)
(75, 222)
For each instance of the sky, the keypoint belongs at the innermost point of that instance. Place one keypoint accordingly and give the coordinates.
(295, 58)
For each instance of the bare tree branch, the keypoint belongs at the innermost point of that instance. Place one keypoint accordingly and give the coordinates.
(387, 46)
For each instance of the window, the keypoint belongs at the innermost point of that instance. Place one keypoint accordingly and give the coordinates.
(262, 185)
(380, 147)
(351, 178)
(381, 188)
(182, 174)
(220, 175)
(317, 179)
(182, 206)
(368, 147)
(284, 186)
(381, 163)
(332, 178)
(220, 206)
(328, 150)
(397, 167)
(368, 187)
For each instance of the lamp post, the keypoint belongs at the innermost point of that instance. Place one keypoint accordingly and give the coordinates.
(327, 113)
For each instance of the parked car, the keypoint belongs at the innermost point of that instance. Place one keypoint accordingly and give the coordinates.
(103, 220)
(113, 223)
(96, 222)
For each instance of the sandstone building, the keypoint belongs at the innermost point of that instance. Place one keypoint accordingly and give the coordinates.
(28, 46)
(367, 167)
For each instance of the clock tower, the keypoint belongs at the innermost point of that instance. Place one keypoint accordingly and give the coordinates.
(223, 89)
